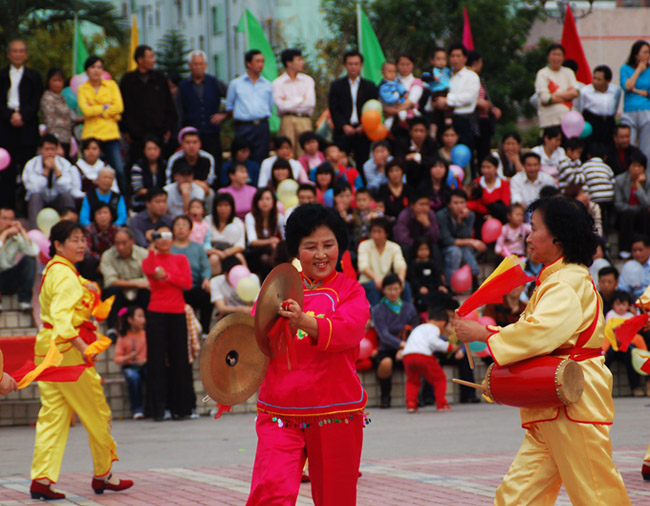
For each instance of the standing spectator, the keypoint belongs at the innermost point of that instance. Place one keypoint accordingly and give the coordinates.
(148, 105)
(599, 179)
(556, 87)
(100, 236)
(240, 152)
(17, 259)
(20, 94)
(155, 214)
(201, 163)
(598, 103)
(525, 186)
(250, 101)
(264, 231)
(121, 268)
(57, 116)
(418, 152)
(295, 97)
(104, 194)
(618, 155)
(199, 99)
(169, 275)
(635, 80)
(346, 98)
(48, 179)
(101, 103)
(632, 202)
(509, 155)
(394, 193)
(148, 172)
(283, 149)
(550, 150)
(182, 191)
(241, 192)
(417, 221)
(413, 85)
(464, 87)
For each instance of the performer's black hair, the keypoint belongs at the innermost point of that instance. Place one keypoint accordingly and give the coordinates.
(60, 232)
(308, 217)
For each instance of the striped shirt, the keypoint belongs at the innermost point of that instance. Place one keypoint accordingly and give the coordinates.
(600, 180)
(569, 171)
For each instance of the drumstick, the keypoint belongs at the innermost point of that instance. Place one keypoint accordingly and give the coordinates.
(468, 352)
(468, 384)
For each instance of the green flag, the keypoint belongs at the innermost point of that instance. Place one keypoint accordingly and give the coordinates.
(256, 39)
(79, 52)
(373, 56)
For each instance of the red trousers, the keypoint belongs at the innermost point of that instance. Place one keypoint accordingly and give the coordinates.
(334, 451)
(416, 366)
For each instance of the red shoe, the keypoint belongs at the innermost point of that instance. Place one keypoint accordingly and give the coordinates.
(100, 485)
(304, 478)
(444, 407)
(40, 491)
(645, 472)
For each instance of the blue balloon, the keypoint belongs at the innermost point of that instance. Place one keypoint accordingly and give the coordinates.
(477, 346)
(328, 198)
(461, 155)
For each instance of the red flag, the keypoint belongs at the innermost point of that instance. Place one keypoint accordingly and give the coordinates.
(626, 331)
(573, 47)
(347, 267)
(468, 41)
(646, 366)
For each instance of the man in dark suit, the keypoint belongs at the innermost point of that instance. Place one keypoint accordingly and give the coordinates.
(418, 151)
(20, 96)
(618, 155)
(347, 96)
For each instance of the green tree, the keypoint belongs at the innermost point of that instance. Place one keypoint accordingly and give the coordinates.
(172, 50)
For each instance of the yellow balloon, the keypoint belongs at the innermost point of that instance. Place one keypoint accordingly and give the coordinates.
(287, 187)
(290, 202)
(46, 219)
(248, 288)
(639, 357)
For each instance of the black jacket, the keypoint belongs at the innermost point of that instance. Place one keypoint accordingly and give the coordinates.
(340, 100)
(612, 159)
(30, 90)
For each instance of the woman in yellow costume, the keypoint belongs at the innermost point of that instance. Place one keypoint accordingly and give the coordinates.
(66, 301)
(568, 445)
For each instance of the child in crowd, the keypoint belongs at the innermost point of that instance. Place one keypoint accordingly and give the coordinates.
(90, 164)
(569, 168)
(392, 92)
(224, 296)
(241, 192)
(280, 171)
(332, 156)
(550, 150)
(362, 216)
(419, 360)
(147, 173)
(375, 167)
(104, 193)
(621, 304)
(426, 281)
(306, 195)
(240, 152)
(131, 354)
(324, 184)
(347, 171)
(512, 240)
(200, 227)
(342, 193)
(450, 138)
(312, 156)
(437, 76)
(599, 179)
(607, 284)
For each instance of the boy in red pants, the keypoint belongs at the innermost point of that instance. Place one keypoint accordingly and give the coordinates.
(419, 360)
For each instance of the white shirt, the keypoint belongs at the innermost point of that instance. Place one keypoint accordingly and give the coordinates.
(251, 233)
(599, 103)
(354, 91)
(294, 96)
(15, 75)
(425, 340)
(220, 289)
(464, 86)
(175, 199)
(524, 191)
(92, 171)
(297, 170)
(550, 164)
(36, 182)
(415, 91)
(234, 233)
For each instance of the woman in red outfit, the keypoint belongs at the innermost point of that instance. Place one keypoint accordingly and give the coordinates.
(169, 275)
(315, 408)
(490, 193)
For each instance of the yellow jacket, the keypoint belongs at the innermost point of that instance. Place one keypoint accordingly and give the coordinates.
(564, 303)
(100, 123)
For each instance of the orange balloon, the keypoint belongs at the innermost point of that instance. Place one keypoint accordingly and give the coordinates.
(378, 134)
(370, 120)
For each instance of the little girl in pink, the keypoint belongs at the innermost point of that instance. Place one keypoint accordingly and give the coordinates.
(512, 240)
(199, 234)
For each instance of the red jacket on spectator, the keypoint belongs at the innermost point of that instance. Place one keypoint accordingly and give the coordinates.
(500, 192)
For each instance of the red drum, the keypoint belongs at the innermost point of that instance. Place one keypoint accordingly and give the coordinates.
(542, 382)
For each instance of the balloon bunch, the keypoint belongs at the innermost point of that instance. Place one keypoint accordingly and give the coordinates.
(574, 125)
(245, 284)
(374, 129)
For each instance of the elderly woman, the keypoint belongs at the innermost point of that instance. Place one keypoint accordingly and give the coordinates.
(567, 445)
(556, 87)
(635, 80)
(57, 116)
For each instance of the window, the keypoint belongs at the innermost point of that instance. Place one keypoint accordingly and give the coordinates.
(201, 42)
(217, 20)
(200, 7)
(189, 7)
(217, 61)
(157, 16)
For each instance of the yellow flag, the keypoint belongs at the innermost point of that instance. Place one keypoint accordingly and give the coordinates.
(134, 43)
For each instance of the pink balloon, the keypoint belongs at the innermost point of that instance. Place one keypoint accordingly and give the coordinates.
(77, 81)
(461, 280)
(5, 159)
(458, 172)
(42, 242)
(44, 259)
(106, 76)
(486, 320)
(237, 273)
(491, 230)
(365, 348)
(74, 147)
(572, 124)
(473, 316)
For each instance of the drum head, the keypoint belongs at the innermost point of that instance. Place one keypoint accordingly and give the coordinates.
(232, 365)
(284, 282)
(570, 382)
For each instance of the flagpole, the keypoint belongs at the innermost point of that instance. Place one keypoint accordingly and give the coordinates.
(246, 26)
(359, 29)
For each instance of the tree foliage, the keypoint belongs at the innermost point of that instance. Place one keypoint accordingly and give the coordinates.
(172, 52)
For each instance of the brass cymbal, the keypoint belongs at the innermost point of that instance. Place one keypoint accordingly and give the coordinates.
(282, 283)
(232, 365)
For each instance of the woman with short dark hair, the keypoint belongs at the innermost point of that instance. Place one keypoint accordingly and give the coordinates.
(556, 87)
(635, 80)
(57, 116)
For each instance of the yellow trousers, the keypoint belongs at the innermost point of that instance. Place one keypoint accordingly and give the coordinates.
(292, 127)
(578, 455)
(58, 403)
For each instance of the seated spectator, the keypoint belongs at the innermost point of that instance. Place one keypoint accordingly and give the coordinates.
(525, 186)
(438, 185)
(419, 152)
(632, 202)
(17, 260)
(342, 192)
(456, 225)
(90, 164)
(599, 179)
(362, 217)
(241, 192)
(312, 156)
(191, 156)
(346, 171)
(200, 226)
(264, 231)
(325, 184)
(379, 257)
(393, 318)
(100, 236)
(578, 192)
(148, 172)
(550, 152)
(199, 295)
(145, 222)
(607, 285)
(618, 154)
(70, 214)
(600, 260)
(240, 152)
(48, 179)
(570, 167)
(283, 149)
(512, 240)
(121, 269)
(374, 168)
(491, 193)
(449, 141)
(425, 278)
(280, 171)
(104, 194)
(417, 221)
(306, 195)
(182, 190)
(224, 296)
(333, 155)
(394, 193)
(509, 310)
(131, 354)
(227, 235)
(509, 155)
(629, 279)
